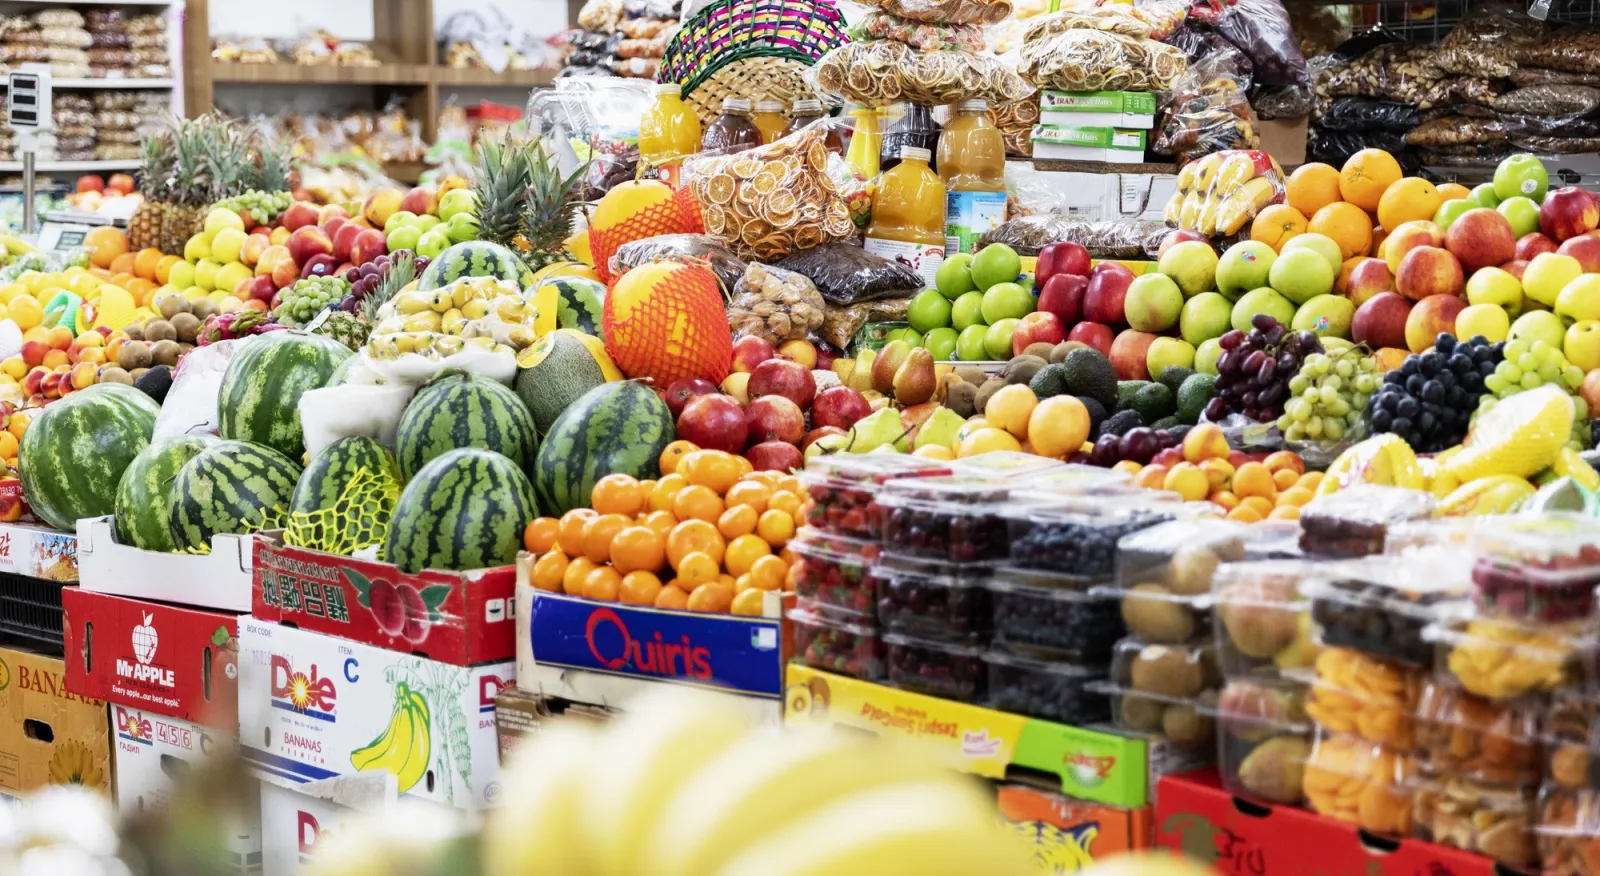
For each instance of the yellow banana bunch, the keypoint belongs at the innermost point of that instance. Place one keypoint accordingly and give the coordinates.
(1221, 193)
(405, 747)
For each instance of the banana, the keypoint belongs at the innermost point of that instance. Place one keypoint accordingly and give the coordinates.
(1174, 208)
(536, 829)
(375, 753)
(17, 246)
(1208, 218)
(1236, 169)
(1260, 192)
(419, 753)
(1568, 463)
(1188, 177)
(1232, 215)
(1189, 213)
(1206, 171)
(1495, 494)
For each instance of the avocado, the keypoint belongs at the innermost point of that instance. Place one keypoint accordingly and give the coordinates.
(155, 383)
(1196, 392)
(1021, 369)
(1090, 373)
(1049, 381)
(1153, 402)
(1173, 377)
(1180, 431)
(1097, 414)
(1126, 391)
(1165, 423)
(1121, 423)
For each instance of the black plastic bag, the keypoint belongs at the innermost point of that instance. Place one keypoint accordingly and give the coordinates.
(845, 273)
(727, 266)
(1261, 29)
(1358, 114)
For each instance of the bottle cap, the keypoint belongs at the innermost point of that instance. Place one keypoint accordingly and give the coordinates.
(671, 88)
(975, 104)
(769, 106)
(916, 153)
(807, 105)
(736, 105)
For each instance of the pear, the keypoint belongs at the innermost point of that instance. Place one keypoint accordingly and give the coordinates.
(939, 430)
(914, 380)
(844, 368)
(860, 378)
(875, 430)
(887, 365)
(827, 444)
(912, 419)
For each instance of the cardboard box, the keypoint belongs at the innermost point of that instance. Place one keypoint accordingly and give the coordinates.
(519, 715)
(38, 551)
(1110, 109)
(48, 735)
(294, 819)
(1285, 140)
(313, 707)
(1111, 196)
(1068, 835)
(1099, 144)
(1195, 816)
(153, 751)
(178, 662)
(460, 618)
(219, 580)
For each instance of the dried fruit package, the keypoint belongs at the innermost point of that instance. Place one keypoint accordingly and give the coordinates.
(881, 72)
(1361, 782)
(727, 266)
(1365, 697)
(947, 11)
(1263, 740)
(775, 305)
(848, 274)
(1262, 30)
(1085, 59)
(920, 35)
(1489, 819)
(1363, 114)
(1220, 193)
(1263, 627)
(1573, 48)
(1463, 735)
(1209, 112)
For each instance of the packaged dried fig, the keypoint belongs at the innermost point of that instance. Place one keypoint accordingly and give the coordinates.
(1550, 100)
(775, 305)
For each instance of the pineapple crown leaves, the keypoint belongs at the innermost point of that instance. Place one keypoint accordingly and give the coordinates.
(402, 271)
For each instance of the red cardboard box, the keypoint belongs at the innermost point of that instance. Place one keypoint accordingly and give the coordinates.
(1196, 816)
(1069, 834)
(178, 662)
(459, 618)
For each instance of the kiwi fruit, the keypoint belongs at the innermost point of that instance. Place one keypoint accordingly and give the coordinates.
(1152, 615)
(187, 326)
(134, 332)
(1022, 368)
(1184, 723)
(1142, 713)
(137, 373)
(133, 355)
(1058, 353)
(974, 376)
(172, 305)
(1191, 569)
(1040, 349)
(115, 374)
(203, 308)
(1167, 671)
(165, 353)
(962, 398)
(159, 330)
(989, 388)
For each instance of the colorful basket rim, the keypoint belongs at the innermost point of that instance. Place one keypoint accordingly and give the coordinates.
(730, 30)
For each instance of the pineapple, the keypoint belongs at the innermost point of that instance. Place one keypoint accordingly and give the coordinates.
(227, 162)
(190, 186)
(346, 328)
(353, 329)
(275, 168)
(549, 206)
(156, 157)
(523, 201)
(501, 184)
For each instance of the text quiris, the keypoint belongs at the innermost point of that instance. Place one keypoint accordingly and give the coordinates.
(654, 655)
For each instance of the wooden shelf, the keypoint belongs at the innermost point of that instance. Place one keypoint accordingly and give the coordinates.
(484, 78)
(297, 74)
(69, 166)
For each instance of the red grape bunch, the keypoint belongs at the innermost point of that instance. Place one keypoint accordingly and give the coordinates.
(366, 279)
(1255, 367)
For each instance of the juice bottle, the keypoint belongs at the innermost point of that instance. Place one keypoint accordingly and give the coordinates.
(912, 125)
(908, 215)
(809, 110)
(733, 131)
(865, 142)
(668, 133)
(972, 161)
(769, 119)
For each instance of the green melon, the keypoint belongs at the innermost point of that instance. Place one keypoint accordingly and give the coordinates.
(456, 410)
(75, 451)
(570, 303)
(475, 258)
(614, 428)
(145, 493)
(465, 510)
(558, 369)
(230, 487)
(334, 466)
(260, 397)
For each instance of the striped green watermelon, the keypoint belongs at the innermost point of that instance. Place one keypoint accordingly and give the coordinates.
(260, 397)
(616, 427)
(464, 510)
(230, 487)
(558, 369)
(570, 303)
(457, 409)
(334, 466)
(145, 493)
(75, 451)
(475, 258)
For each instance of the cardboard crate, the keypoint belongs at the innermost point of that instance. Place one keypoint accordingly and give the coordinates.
(178, 662)
(218, 580)
(519, 716)
(460, 618)
(1068, 834)
(48, 735)
(294, 819)
(309, 702)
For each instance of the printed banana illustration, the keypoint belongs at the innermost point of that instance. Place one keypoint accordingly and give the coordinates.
(405, 747)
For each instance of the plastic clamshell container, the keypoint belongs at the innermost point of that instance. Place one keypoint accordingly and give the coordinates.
(1044, 689)
(1572, 747)
(1541, 574)
(1005, 465)
(1382, 605)
(1184, 721)
(1356, 694)
(1079, 538)
(935, 601)
(837, 646)
(1164, 577)
(1355, 521)
(1181, 672)
(1075, 478)
(843, 487)
(1501, 660)
(1273, 540)
(1263, 618)
(1263, 739)
(952, 672)
(1488, 819)
(1361, 782)
(832, 575)
(1051, 623)
(1568, 830)
(1495, 741)
(956, 520)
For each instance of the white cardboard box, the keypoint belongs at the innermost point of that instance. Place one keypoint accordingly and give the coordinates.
(294, 819)
(1104, 196)
(220, 579)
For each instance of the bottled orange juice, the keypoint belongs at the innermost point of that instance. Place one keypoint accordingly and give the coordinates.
(668, 132)
(769, 119)
(972, 162)
(908, 223)
(865, 142)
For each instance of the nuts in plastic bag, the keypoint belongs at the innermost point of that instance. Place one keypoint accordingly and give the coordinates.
(716, 254)
(775, 305)
(1220, 193)
(948, 11)
(881, 72)
(1455, 131)
(1555, 145)
(774, 199)
(847, 274)
(1100, 60)
(1522, 77)
(1115, 239)
(1550, 100)
(1479, 155)
(1336, 147)
(1574, 48)
(840, 324)
(920, 35)
(1549, 126)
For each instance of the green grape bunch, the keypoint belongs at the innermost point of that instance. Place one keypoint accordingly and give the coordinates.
(1530, 365)
(1329, 395)
(264, 207)
(300, 303)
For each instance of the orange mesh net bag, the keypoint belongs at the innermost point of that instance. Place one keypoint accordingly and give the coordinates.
(665, 320)
(636, 210)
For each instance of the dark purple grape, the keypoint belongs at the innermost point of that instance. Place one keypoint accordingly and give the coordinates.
(1231, 340)
(1228, 362)
(1274, 335)
(353, 274)
(1267, 373)
(1309, 342)
(1216, 409)
(382, 260)
(1264, 322)
(1140, 445)
(1288, 363)
(1250, 399)
(1107, 451)
(1253, 362)
(1256, 339)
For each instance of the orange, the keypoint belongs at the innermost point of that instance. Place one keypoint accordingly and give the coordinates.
(1284, 478)
(785, 501)
(1244, 515)
(1310, 480)
(19, 424)
(775, 527)
(698, 503)
(666, 490)
(164, 268)
(122, 264)
(617, 494)
(1296, 496)
(598, 533)
(1366, 175)
(660, 521)
(1285, 512)
(639, 588)
(106, 244)
(787, 483)
(768, 573)
(1312, 187)
(715, 598)
(714, 469)
(745, 465)
(1408, 199)
(749, 602)
(673, 454)
(672, 597)
(765, 476)
(1258, 504)
(577, 571)
(145, 261)
(603, 584)
(570, 532)
(647, 486)
(638, 549)
(696, 569)
(743, 553)
(1347, 225)
(548, 571)
(1453, 192)
(752, 493)
(738, 520)
(540, 534)
(694, 536)
(729, 580)
(1275, 224)
(1254, 479)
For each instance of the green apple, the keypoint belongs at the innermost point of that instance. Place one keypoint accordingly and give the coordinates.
(1539, 325)
(462, 227)
(1326, 315)
(1521, 174)
(1582, 345)
(1489, 320)
(941, 342)
(221, 218)
(910, 335)
(1579, 300)
(1450, 211)
(1320, 244)
(400, 219)
(1191, 264)
(426, 222)
(1244, 267)
(402, 237)
(954, 277)
(1300, 275)
(967, 311)
(1484, 196)
(1262, 300)
(1026, 282)
(1006, 301)
(1205, 316)
(995, 263)
(997, 340)
(433, 243)
(928, 310)
(1522, 213)
(1549, 273)
(1206, 356)
(1153, 302)
(1495, 286)
(969, 344)
(1166, 352)
(456, 202)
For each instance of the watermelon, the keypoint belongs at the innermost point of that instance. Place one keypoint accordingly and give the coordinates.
(558, 369)
(614, 428)
(569, 303)
(475, 258)
(230, 487)
(260, 397)
(464, 510)
(75, 451)
(457, 409)
(334, 466)
(144, 495)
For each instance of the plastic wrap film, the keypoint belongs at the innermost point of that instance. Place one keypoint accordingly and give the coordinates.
(1575, 49)
(1113, 239)
(775, 305)
(728, 267)
(1210, 111)
(1220, 194)
(947, 11)
(1363, 114)
(881, 72)
(920, 35)
(1261, 29)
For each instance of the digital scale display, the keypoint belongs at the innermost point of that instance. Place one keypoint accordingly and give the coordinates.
(23, 106)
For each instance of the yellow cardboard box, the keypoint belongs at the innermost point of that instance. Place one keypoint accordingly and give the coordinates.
(48, 736)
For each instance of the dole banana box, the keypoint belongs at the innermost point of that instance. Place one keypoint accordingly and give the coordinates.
(48, 735)
(293, 824)
(314, 707)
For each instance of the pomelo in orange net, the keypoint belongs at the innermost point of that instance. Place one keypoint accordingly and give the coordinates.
(635, 210)
(664, 321)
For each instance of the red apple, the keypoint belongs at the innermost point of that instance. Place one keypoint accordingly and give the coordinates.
(308, 241)
(1128, 353)
(1037, 328)
(1533, 243)
(1067, 257)
(368, 245)
(421, 200)
(713, 422)
(1585, 248)
(785, 377)
(1168, 457)
(1428, 270)
(1515, 267)
(1481, 238)
(120, 182)
(775, 456)
(344, 239)
(1381, 321)
(750, 351)
(263, 289)
(821, 432)
(839, 406)
(1408, 236)
(1096, 335)
(299, 215)
(329, 212)
(254, 246)
(1062, 295)
(1432, 317)
(825, 358)
(1108, 288)
(1568, 212)
(774, 418)
(320, 265)
(1178, 237)
(286, 273)
(91, 183)
(1368, 278)
(685, 389)
(333, 226)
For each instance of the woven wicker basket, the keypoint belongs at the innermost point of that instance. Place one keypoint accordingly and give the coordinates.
(755, 49)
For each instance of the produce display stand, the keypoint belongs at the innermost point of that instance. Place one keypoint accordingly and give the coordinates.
(36, 564)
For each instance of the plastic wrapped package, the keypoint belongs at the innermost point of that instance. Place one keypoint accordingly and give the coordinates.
(849, 649)
(1365, 696)
(1490, 741)
(1263, 618)
(1261, 29)
(948, 11)
(1502, 660)
(1455, 131)
(1555, 145)
(1047, 690)
(1163, 16)
(1164, 576)
(600, 15)
(1575, 48)
(771, 200)
(1365, 114)
(1100, 60)
(933, 601)
(1219, 194)
(1123, 239)
(1210, 112)
(1081, 537)
(940, 669)
(1383, 606)
(841, 323)
(775, 305)
(881, 72)
(1488, 819)
(831, 576)
(727, 266)
(1263, 740)
(1052, 616)
(844, 488)
(1282, 101)
(1568, 831)
(1567, 732)
(1116, 19)
(1542, 573)
(1353, 522)
(920, 35)
(1550, 100)
(1522, 77)
(847, 274)
(1552, 128)
(1361, 782)
(953, 519)
(1465, 156)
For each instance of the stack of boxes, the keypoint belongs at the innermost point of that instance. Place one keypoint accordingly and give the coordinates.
(1108, 127)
